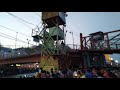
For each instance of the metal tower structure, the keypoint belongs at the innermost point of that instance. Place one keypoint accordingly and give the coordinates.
(52, 37)
(97, 44)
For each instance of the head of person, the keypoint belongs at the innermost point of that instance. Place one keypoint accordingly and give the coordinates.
(88, 70)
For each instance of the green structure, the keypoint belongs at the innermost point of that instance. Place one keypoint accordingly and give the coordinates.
(52, 23)
(52, 34)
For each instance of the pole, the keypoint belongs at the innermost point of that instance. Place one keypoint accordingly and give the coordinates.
(64, 35)
(108, 43)
(28, 42)
(85, 42)
(16, 40)
(81, 41)
(73, 40)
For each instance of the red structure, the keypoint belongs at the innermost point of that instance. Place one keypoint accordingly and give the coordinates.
(101, 41)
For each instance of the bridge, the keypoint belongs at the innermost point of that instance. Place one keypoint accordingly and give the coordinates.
(109, 45)
(21, 60)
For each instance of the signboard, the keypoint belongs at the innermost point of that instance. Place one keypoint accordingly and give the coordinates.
(108, 59)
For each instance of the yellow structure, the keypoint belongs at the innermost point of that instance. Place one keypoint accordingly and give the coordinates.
(48, 62)
(107, 57)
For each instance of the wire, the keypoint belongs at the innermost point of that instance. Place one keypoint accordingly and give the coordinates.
(24, 21)
(21, 21)
(7, 28)
(71, 31)
(71, 20)
(39, 23)
(6, 37)
(14, 31)
(39, 17)
(72, 24)
(29, 22)
(12, 38)
(20, 18)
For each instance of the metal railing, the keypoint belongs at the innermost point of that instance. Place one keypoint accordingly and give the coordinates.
(74, 46)
(111, 41)
(16, 54)
(24, 53)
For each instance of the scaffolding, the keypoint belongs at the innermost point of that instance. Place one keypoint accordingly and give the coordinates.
(52, 37)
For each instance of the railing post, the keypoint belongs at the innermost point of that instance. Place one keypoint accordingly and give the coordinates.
(81, 41)
(108, 43)
(91, 43)
(85, 42)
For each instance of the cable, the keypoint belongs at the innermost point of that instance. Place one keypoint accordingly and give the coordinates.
(12, 38)
(20, 18)
(74, 32)
(6, 37)
(7, 28)
(22, 22)
(39, 23)
(72, 24)
(70, 28)
(71, 31)
(25, 21)
(71, 20)
(14, 31)
(38, 16)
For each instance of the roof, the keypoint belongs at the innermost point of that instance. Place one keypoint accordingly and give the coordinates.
(96, 33)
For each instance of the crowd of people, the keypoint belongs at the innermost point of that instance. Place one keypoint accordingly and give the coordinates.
(11, 71)
(92, 72)
(80, 73)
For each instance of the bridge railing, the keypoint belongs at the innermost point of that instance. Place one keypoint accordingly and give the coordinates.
(110, 40)
(74, 46)
(23, 53)
(16, 55)
(115, 46)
